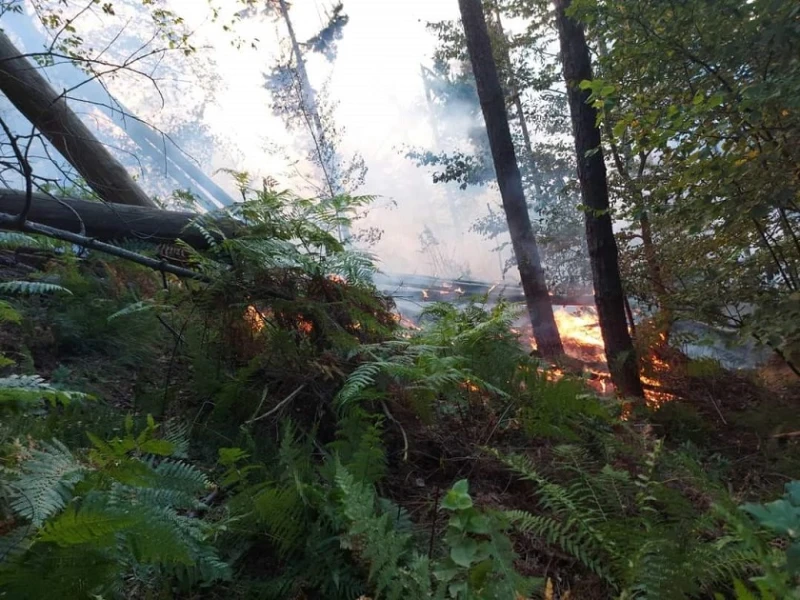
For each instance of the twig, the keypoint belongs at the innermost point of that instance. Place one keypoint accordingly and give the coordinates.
(716, 407)
(260, 403)
(787, 434)
(433, 523)
(27, 171)
(178, 336)
(280, 404)
(11, 222)
(402, 431)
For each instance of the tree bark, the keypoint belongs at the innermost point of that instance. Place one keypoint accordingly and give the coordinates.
(493, 105)
(111, 222)
(609, 297)
(48, 111)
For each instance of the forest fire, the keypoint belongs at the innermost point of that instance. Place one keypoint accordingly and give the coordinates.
(580, 334)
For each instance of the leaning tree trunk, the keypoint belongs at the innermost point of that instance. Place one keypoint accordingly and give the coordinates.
(113, 222)
(493, 105)
(311, 107)
(608, 292)
(48, 111)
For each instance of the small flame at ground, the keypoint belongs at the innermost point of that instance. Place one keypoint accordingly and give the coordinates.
(254, 318)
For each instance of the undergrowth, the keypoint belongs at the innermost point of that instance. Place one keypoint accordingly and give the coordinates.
(293, 420)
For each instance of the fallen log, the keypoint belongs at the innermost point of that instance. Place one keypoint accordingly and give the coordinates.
(48, 111)
(111, 222)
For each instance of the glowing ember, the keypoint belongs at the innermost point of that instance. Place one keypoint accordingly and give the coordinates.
(468, 385)
(337, 278)
(408, 323)
(254, 318)
(304, 325)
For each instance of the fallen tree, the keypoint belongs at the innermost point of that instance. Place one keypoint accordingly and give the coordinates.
(48, 112)
(110, 222)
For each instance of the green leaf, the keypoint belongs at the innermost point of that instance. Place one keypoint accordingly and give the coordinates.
(793, 492)
(464, 552)
(157, 447)
(80, 527)
(230, 456)
(780, 516)
(793, 558)
(458, 497)
(741, 591)
(479, 574)
(478, 524)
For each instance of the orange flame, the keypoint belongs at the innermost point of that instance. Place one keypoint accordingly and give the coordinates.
(254, 318)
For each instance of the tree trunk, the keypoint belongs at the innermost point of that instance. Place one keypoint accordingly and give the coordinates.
(111, 222)
(516, 94)
(622, 361)
(493, 105)
(311, 109)
(48, 111)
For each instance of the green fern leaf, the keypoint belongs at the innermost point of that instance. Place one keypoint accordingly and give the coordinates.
(32, 288)
(88, 525)
(45, 483)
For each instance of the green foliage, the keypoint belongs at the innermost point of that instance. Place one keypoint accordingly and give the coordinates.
(23, 391)
(94, 525)
(644, 538)
(456, 353)
(559, 409)
(480, 563)
(781, 570)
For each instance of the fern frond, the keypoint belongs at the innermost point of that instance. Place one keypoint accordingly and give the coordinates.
(136, 307)
(21, 390)
(32, 288)
(15, 239)
(88, 525)
(45, 482)
(359, 380)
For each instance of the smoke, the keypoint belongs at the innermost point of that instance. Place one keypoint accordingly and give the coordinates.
(215, 108)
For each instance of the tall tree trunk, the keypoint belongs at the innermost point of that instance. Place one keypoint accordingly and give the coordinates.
(622, 361)
(493, 105)
(516, 94)
(34, 97)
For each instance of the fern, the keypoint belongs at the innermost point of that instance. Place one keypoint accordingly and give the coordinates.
(136, 307)
(19, 391)
(128, 517)
(32, 288)
(83, 526)
(14, 239)
(45, 482)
